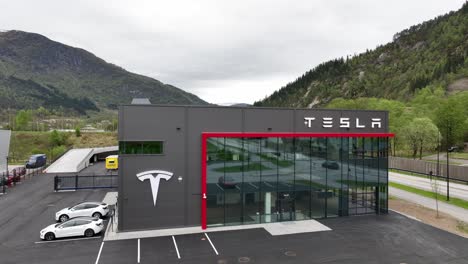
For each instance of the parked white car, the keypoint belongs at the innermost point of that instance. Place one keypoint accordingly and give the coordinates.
(80, 226)
(92, 209)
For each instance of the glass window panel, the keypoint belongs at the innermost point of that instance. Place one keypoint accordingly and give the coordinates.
(318, 177)
(345, 168)
(141, 147)
(286, 179)
(269, 155)
(251, 183)
(215, 182)
(333, 167)
(383, 175)
(233, 180)
(302, 176)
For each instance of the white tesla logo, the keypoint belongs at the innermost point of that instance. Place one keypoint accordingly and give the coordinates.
(154, 176)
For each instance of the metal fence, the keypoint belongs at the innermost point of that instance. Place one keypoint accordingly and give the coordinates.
(16, 176)
(78, 182)
(424, 167)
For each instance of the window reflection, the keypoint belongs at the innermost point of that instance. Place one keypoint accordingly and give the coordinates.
(262, 180)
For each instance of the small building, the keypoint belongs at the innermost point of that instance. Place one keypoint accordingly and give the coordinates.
(207, 166)
(5, 136)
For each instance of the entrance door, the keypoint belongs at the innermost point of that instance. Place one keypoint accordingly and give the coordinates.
(285, 207)
(362, 201)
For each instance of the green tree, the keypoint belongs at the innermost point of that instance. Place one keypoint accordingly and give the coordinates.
(450, 118)
(77, 132)
(57, 139)
(22, 119)
(57, 151)
(420, 135)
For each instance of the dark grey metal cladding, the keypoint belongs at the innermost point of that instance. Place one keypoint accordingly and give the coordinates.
(136, 209)
(145, 122)
(261, 120)
(199, 120)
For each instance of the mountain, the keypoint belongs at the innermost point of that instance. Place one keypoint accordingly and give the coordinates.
(433, 53)
(36, 71)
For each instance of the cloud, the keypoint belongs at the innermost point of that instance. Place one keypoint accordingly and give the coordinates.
(236, 51)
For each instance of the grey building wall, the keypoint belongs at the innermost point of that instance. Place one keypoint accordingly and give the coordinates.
(180, 128)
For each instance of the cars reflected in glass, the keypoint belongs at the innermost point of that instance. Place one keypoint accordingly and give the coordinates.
(329, 164)
(227, 182)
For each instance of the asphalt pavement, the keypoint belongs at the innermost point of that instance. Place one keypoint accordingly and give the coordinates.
(391, 238)
(30, 206)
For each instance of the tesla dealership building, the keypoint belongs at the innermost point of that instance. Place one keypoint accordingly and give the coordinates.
(209, 166)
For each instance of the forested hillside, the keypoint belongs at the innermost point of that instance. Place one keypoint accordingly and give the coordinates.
(431, 54)
(36, 71)
(421, 78)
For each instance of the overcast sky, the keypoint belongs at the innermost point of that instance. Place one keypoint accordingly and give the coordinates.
(222, 51)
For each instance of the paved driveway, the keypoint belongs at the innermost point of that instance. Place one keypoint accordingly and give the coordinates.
(30, 206)
(391, 238)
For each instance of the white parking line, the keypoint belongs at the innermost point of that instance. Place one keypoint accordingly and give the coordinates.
(216, 251)
(99, 254)
(138, 256)
(253, 185)
(66, 190)
(177, 249)
(67, 240)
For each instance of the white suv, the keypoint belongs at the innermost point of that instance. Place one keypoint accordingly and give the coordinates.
(93, 209)
(80, 226)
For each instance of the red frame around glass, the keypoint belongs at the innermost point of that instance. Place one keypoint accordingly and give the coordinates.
(207, 135)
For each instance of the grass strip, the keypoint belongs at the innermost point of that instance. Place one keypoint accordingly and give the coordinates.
(420, 175)
(459, 155)
(453, 201)
(280, 162)
(238, 168)
(462, 226)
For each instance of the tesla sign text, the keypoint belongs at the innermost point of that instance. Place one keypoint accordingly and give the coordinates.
(342, 122)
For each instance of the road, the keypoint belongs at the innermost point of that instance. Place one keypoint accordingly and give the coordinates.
(455, 211)
(443, 158)
(456, 190)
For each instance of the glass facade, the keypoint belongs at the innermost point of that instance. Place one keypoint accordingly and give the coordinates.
(271, 179)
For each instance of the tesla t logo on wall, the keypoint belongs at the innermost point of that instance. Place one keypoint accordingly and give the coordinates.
(344, 122)
(155, 177)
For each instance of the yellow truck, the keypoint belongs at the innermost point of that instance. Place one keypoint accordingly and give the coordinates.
(112, 162)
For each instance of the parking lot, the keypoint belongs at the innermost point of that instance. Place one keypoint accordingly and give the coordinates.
(31, 206)
(391, 238)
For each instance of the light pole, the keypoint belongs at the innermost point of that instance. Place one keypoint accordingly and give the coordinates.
(451, 149)
(438, 151)
(448, 149)
(447, 176)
